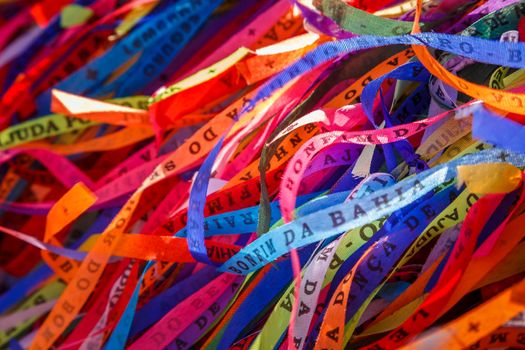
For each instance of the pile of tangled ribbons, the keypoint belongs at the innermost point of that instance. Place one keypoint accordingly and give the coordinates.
(262, 174)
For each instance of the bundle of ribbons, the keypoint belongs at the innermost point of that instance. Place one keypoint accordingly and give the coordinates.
(262, 174)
